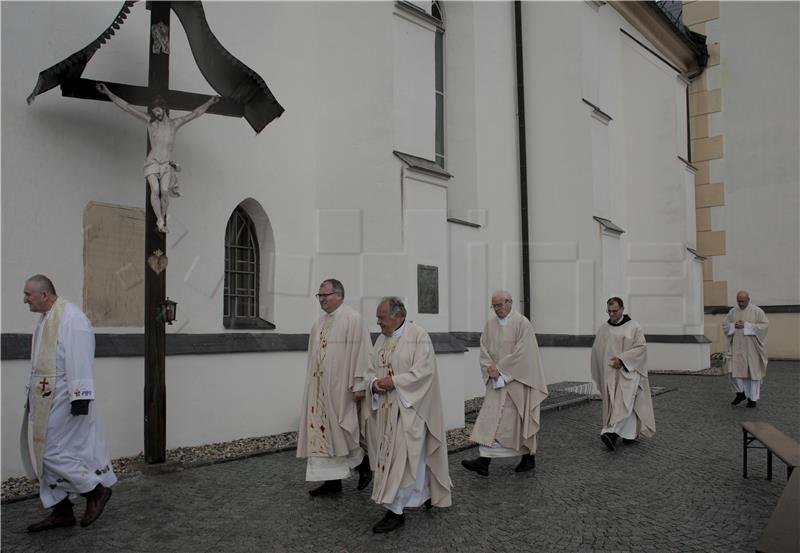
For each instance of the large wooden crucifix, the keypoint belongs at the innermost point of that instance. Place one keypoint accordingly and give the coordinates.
(243, 94)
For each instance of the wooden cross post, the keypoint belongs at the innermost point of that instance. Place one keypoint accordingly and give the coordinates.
(155, 284)
(247, 95)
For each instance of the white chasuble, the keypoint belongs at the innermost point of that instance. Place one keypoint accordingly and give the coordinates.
(625, 391)
(509, 418)
(747, 347)
(405, 429)
(338, 357)
(70, 452)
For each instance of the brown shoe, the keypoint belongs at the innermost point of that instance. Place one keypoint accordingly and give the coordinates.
(55, 520)
(95, 503)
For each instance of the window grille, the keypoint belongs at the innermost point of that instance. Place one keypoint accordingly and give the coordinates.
(241, 268)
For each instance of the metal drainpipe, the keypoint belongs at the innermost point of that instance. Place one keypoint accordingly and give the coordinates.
(523, 163)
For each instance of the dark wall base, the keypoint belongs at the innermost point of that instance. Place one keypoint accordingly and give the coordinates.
(18, 346)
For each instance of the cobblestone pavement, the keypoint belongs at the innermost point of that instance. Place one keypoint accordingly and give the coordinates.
(681, 490)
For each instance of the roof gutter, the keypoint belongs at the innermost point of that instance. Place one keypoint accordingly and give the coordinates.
(684, 49)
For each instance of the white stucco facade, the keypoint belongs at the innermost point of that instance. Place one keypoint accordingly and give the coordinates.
(606, 122)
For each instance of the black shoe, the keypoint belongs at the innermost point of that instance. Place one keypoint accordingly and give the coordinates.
(330, 486)
(428, 504)
(610, 439)
(389, 522)
(364, 479)
(750, 404)
(740, 397)
(364, 474)
(479, 465)
(528, 462)
(628, 441)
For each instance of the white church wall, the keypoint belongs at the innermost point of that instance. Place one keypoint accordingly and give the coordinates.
(451, 381)
(469, 278)
(471, 371)
(566, 364)
(559, 172)
(678, 357)
(426, 241)
(658, 214)
(482, 152)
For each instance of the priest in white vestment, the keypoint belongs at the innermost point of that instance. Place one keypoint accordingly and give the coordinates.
(511, 367)
(338, 357)
(65, 448)
(745, 328)
(405, 430)
(619, 357)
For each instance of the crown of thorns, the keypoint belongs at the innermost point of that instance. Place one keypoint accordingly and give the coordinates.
(158, 102)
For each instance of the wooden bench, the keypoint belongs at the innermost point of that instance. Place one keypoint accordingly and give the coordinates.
(783, 533)
(774, 441)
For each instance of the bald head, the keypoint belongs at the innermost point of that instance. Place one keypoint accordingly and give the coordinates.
(39, 294)
(742, 299)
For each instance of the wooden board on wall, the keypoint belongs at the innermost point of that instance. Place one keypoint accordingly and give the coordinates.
(113, 265)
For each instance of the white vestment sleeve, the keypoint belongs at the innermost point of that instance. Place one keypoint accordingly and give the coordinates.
(499, 382)
(403, 401)
(376, 398)
(78, 350)
(731, 330)
(748, 329)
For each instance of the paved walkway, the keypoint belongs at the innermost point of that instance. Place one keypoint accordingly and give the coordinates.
(679, 491)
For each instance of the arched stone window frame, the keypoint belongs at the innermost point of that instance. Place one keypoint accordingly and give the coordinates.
(248, 297)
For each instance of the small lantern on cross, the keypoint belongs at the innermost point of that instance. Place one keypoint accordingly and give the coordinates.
(168, 310)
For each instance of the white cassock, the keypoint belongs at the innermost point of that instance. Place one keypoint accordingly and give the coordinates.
(627, 404)
(75, 455)
(746, 357)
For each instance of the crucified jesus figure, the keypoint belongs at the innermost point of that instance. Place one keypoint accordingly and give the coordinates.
(159, 168)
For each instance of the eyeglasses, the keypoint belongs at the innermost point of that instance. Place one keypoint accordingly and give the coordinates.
(499, 305)
(320, 296)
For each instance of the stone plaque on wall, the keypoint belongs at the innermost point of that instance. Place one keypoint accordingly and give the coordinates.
(427, 289)
(113, 265)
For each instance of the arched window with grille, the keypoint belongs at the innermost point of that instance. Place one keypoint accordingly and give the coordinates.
(242, 273)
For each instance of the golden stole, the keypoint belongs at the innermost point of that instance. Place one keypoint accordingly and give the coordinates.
(44, 373)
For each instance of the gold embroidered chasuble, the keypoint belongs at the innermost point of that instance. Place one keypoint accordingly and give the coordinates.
(747, 353)
(44, 376)
(338, 358)
(510, 415)
(409, 420)
(621, 392)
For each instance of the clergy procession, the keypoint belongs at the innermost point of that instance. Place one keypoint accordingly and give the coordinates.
(370, 410)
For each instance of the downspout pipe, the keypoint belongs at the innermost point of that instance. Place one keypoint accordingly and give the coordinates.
(523, 163)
